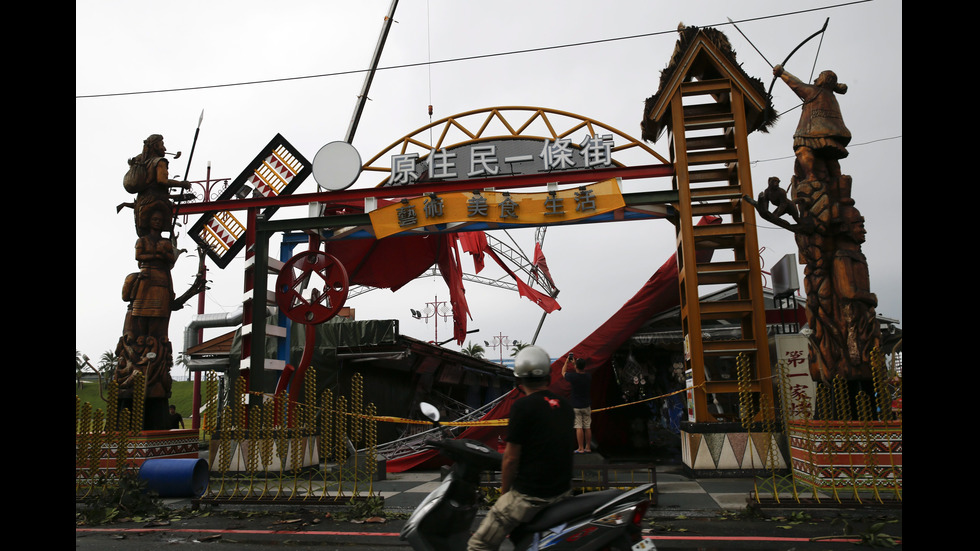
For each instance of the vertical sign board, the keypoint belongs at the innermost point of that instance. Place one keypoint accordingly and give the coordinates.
(794, 351)
(689, 393)
(276, 171)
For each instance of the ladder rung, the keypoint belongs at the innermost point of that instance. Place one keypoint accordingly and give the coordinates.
(726, 207)
(725, 266)
(709, 110)
(725, 309)
(270, 296)
(720, 278)
(718, 242)
(701, 87)
(722, 348)
(712, 157)
(722, 272)
(268, 364)
(711, 175)
(274, 266)
(270, 330)
(728, 387)
(713, 230)
(707, 122)
(721, 141)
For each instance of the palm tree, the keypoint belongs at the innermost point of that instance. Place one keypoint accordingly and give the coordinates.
(107, 365)
(473, 349)
(79, 363)
(517, 346)
(181, 359)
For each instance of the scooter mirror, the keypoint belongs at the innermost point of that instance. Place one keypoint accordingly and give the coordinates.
(429, 411)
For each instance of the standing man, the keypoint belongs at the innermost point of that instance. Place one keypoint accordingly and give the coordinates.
(176, 419)
(537, 464)
(581, 399)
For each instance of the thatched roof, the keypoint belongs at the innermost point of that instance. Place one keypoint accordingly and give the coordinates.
(702, 69)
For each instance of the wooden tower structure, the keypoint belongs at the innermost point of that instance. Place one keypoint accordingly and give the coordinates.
(708, 106)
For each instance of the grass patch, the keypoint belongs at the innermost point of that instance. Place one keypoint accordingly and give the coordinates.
(182, 396)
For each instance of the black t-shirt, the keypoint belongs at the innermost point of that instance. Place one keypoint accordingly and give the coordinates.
(581, 389)
(542, 423)
(175, 419)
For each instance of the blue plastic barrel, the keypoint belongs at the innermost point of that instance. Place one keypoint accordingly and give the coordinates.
(175, 477)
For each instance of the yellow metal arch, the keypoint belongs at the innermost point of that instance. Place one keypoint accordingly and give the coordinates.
(514, 119)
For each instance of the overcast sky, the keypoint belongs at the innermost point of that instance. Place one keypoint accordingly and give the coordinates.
(124, 48)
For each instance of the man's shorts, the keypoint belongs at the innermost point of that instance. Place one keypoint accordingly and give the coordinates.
(583, 418)
(511, 509)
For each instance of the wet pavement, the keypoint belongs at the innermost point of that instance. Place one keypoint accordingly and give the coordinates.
(690, 513)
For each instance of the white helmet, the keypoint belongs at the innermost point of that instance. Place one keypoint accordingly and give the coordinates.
(532, 362)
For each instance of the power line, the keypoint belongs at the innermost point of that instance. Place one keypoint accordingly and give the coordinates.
(452, 60)
(391, 67)
(849, 146)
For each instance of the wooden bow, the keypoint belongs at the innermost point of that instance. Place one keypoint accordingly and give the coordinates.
(800, 45)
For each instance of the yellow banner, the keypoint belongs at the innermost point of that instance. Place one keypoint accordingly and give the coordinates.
(498, 207)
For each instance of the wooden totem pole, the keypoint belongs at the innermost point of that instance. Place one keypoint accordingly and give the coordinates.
(145, 344)
(829, 231)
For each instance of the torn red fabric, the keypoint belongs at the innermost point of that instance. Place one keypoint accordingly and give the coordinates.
(541, 264)
(388, 263)
(392, 262)
(659, 293)
(546, 303)
(452, 273)
(475, 243)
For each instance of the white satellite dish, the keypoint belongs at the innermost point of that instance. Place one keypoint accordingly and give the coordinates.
(336, 166)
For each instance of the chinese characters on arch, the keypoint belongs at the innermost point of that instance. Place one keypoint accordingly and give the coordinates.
(501, 158)
(494, 207)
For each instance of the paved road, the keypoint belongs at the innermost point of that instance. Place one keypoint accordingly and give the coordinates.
(254, 530)
(705, 514)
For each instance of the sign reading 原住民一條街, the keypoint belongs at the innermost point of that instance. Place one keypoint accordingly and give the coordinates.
(496, 207)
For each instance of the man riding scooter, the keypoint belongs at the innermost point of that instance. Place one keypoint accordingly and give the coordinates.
(537, 463)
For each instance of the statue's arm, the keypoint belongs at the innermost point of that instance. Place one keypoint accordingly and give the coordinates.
(142, 253)
(795, 84)
(163, 176)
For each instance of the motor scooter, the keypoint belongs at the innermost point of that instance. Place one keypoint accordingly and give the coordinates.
(596, 521)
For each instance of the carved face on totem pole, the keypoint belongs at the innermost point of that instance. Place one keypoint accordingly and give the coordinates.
(852, 225)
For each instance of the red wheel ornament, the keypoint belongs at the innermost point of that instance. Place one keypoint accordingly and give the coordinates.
(312, 287)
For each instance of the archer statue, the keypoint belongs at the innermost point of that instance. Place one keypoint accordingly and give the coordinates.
(829, 231)
(145, 344)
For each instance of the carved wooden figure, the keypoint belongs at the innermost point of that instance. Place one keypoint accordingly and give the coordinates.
(145, 343)
(829, 232)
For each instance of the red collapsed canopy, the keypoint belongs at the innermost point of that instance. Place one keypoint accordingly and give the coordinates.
(396, 260)
(659, 293)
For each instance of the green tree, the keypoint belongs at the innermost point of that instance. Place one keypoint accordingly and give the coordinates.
(79, 364)
(181, 359)
(473, 349)
(517, 346)
(107, 365)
